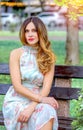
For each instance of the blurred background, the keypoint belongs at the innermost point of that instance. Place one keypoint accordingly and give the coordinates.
(13, 13)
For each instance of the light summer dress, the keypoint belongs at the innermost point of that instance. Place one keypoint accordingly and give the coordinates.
(14, 103)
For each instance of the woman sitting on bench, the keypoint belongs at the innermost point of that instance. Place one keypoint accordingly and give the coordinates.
(26, 104)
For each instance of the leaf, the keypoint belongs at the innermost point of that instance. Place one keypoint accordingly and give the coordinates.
(60, 2)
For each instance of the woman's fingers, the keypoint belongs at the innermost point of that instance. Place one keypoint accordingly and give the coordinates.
(22, 117)
(51, 101)
(55, 104)
(25, 114)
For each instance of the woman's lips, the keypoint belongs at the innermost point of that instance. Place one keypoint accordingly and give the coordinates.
(31, 39)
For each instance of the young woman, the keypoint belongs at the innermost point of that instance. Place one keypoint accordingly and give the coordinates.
(26, 104)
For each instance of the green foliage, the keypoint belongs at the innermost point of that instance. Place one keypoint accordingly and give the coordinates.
(74, 3)
(75, 7)
(78, 123)
(60, 2)
(5, 48)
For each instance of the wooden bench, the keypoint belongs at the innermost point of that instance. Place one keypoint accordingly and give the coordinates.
(61, 90)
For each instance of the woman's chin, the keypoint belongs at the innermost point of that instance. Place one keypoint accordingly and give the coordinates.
(33, 44)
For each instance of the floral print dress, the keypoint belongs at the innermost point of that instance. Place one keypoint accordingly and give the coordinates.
(14, 103)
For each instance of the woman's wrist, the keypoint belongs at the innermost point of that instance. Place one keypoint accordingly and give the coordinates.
(40, 99)
(33, 104)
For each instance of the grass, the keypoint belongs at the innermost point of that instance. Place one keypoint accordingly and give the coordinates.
(51, 33)
(5, 49)
(8, 33)
(61, 33)
(58, 48)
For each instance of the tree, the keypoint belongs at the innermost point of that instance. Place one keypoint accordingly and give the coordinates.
(42, 2)
(72, 42)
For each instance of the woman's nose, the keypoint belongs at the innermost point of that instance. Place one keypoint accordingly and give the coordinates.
(30, 33)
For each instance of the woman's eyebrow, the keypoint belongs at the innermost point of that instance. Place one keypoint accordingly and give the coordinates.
(30, 29)
(26, 29)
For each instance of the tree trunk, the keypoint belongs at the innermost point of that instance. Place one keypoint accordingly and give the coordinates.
(42, 4)
(72, 42)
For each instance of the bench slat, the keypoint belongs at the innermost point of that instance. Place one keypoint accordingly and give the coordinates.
(1, 118)
(4, 88)
(60, 93)
(61, 71)
(64, 71)
(4, 69)
(65, 123)
(63, 93)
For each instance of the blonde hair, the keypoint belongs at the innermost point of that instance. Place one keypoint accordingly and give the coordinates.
(45, 56)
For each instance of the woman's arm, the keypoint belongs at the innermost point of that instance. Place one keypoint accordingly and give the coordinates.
(16, 76)
(47, 83)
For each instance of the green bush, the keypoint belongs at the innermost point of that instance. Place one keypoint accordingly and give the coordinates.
(78, 123)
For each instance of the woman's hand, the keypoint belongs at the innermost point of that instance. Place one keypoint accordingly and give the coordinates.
(51, 101)
(25, 114)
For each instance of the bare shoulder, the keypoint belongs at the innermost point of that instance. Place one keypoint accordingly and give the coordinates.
(16, 53)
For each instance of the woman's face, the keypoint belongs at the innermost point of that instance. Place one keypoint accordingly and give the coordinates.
(31, 34)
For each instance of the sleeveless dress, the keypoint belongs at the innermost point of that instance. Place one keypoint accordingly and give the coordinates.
(14, 103)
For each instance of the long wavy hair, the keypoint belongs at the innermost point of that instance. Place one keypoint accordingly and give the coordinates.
(45, 56)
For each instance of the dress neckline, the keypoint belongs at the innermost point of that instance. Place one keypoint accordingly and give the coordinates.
(30, 48)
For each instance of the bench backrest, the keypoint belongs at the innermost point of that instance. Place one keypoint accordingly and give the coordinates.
(61, 88)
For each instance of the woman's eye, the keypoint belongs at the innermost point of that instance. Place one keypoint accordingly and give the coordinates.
(34, 30)
(26, 31)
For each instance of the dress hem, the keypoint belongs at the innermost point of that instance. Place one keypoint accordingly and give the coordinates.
(46, 122)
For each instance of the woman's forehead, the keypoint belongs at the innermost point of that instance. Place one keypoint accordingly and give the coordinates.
(30, 25)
